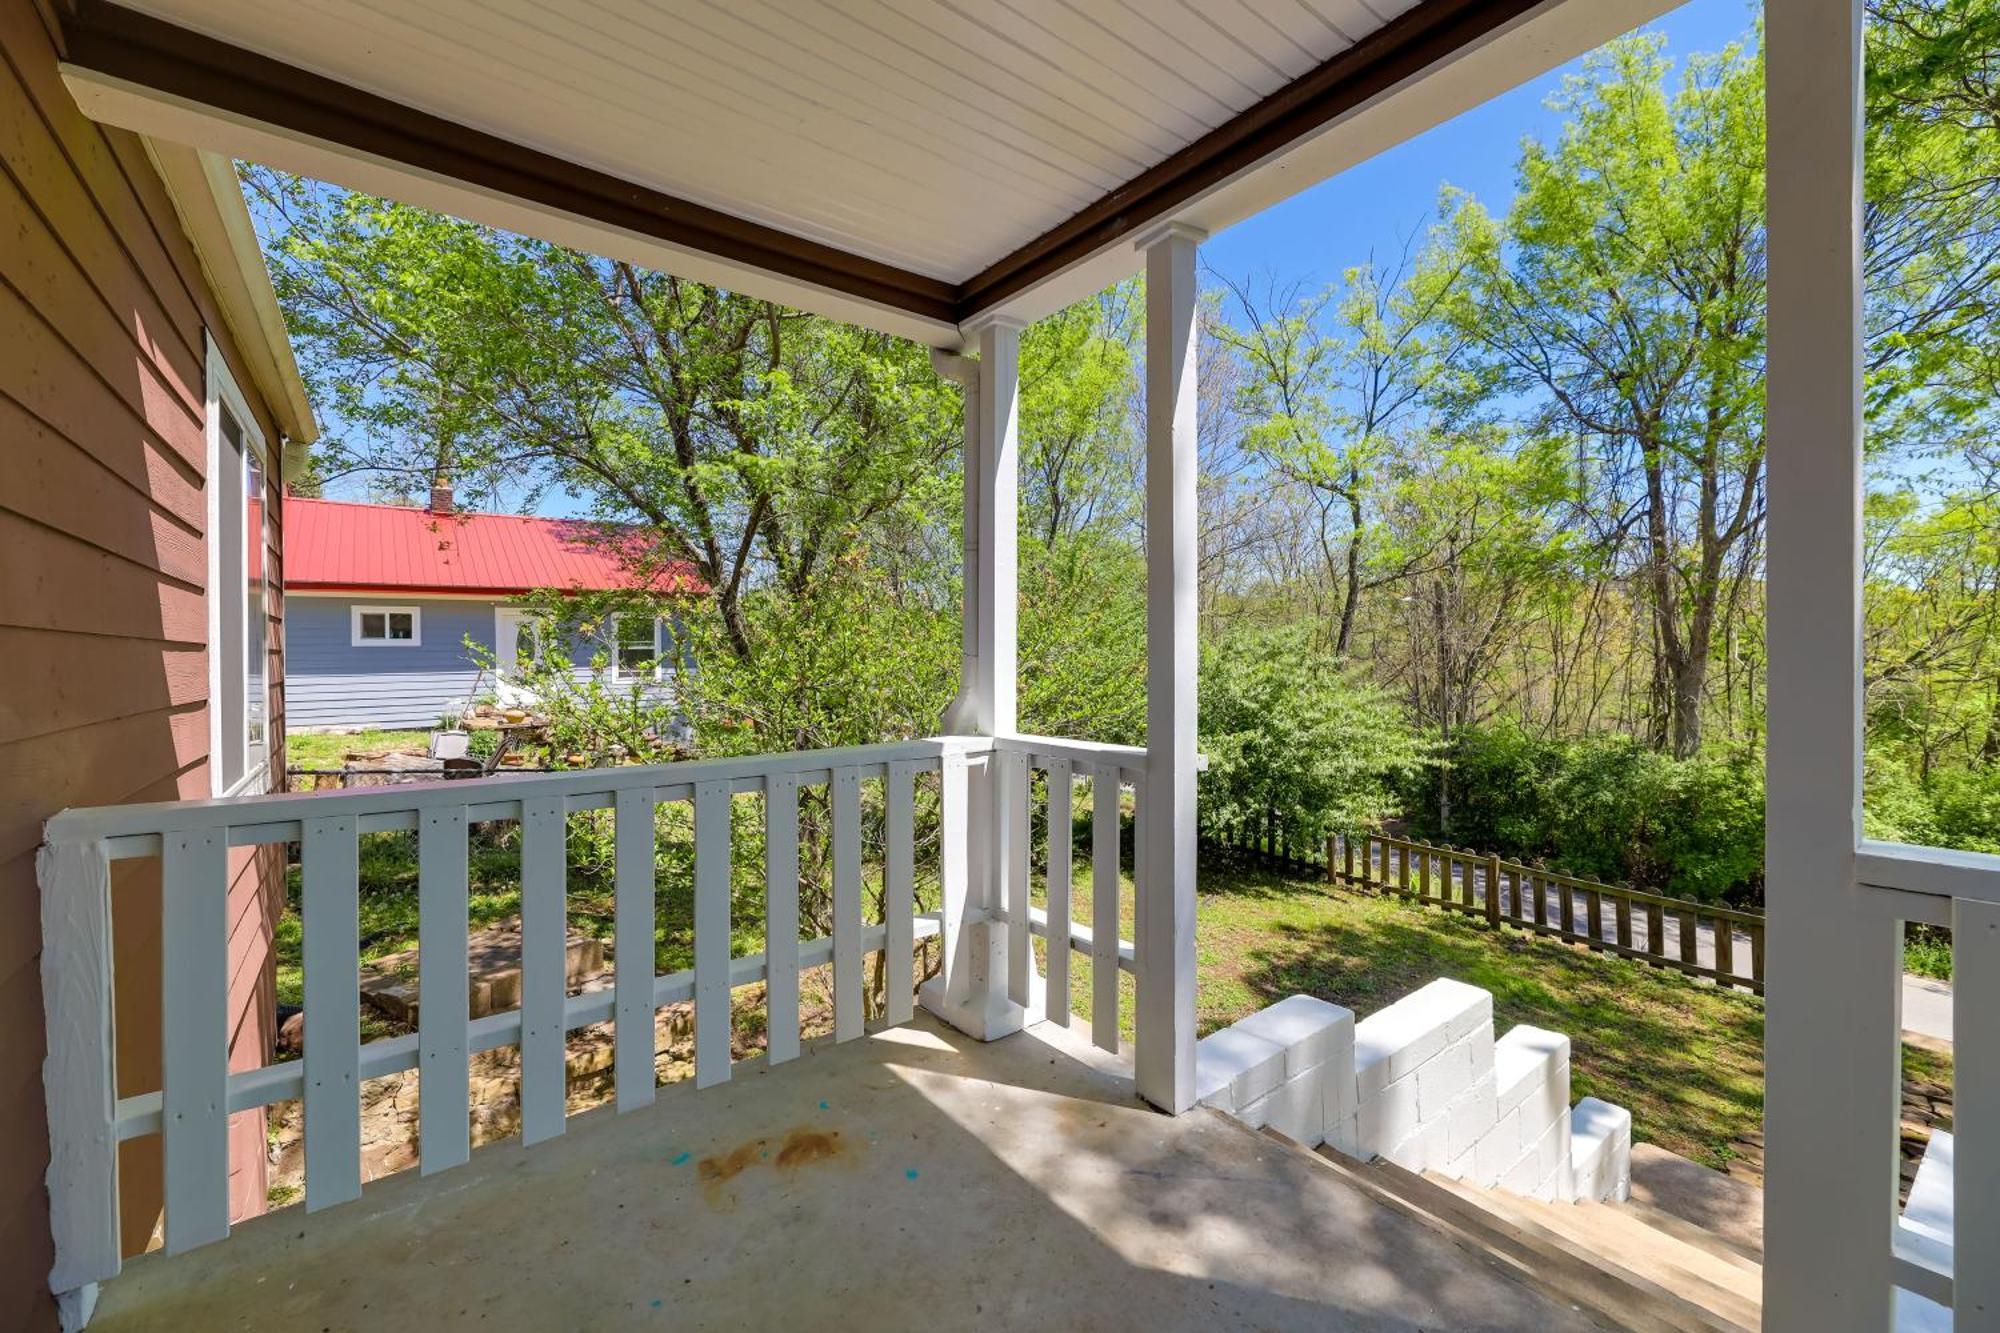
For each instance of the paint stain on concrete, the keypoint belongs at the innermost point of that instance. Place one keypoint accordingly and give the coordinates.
(681, 1158)
(910, 1174)
(800, 1148)
(809, 1147)
(717, 1172)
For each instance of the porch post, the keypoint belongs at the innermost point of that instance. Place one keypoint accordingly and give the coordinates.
(971, 995)
(1166, 853)
(1832, 1009)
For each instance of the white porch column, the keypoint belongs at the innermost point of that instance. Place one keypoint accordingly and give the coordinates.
(1166, 853)
(972, 995)
(1832, 1009)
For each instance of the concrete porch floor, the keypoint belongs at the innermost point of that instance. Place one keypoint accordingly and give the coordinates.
(915, 1179)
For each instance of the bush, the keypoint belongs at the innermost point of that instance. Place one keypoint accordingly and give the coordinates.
(1291, 737)
(1604, 807)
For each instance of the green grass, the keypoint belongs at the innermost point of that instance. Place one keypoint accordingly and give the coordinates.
(1927, 952)
(330, 749)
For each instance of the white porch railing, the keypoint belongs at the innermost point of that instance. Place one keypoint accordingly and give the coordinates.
(193, 840)
(1961, 891)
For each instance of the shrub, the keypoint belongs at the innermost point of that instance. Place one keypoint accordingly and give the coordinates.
(1605, 807)
(1292, 738)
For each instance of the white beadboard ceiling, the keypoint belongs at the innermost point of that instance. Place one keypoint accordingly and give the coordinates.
(935, 135)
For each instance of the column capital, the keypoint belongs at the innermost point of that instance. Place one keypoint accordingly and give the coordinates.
(991, 319)
(1169, 230)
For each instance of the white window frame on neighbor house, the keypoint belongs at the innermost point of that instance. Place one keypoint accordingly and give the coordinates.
(356, 639)
(234, 766)
(618, 671)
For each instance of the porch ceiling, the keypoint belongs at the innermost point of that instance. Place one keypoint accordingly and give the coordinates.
(928, 160)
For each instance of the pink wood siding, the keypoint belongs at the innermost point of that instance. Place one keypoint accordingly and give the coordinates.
(102, 615)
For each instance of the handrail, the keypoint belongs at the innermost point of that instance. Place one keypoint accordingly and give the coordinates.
(255, 820)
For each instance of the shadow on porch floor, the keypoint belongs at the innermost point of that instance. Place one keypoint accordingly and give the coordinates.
(914, 1179)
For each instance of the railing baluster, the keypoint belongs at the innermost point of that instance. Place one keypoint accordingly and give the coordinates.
(1104, 841)
(75, 879)
(194, 1049)
(1975, 979)
(1725, 948)
(1013, 773)
(1624, 922)
(712, 869)
(954, 874)
(544, 970)
(444, 1127)
(330, 925)
(1689, 938)
(781, 918)
(633, 1042)
(1593, 915)
(899, 888)
(1061, 792)
(847, 1013)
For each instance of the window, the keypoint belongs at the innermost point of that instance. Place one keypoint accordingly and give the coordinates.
(239, 524)
(391, 626)
(638, 650)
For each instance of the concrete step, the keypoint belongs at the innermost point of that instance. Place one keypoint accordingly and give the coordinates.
(1537, 1253)
(1703, 1272)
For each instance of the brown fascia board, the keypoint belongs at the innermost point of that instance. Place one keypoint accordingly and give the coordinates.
(153, 53)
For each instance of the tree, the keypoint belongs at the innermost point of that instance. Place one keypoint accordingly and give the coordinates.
(1623, 293)
(759, 445)
(1332, 378)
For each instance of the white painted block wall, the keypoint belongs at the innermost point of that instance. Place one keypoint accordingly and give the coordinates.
(1422, 1083)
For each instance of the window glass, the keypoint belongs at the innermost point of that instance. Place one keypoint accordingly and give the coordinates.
(638, 645)
(232, 647)
(385, 625)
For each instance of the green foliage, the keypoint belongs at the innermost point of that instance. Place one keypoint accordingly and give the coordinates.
(1292, 737)
(1606, 807)
(1082, 640)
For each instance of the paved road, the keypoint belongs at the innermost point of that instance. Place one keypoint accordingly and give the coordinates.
(1926, 1003)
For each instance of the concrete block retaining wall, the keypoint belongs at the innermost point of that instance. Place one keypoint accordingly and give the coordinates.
(1422, 1083)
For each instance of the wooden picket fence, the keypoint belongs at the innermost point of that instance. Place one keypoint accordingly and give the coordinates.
(1721, 944)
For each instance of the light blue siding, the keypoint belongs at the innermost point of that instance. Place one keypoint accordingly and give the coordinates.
(330, 682)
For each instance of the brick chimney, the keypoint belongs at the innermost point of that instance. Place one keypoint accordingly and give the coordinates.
(441, 502)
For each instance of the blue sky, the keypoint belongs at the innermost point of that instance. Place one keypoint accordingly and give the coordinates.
(1371, 208)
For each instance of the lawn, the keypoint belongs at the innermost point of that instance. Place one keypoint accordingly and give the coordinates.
(1684, 1056)
(330, 749)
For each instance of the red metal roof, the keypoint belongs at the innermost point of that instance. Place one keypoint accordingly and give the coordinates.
(338, 545)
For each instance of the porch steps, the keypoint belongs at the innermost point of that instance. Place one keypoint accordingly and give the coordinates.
(1706, 1272)
(1606, 1258)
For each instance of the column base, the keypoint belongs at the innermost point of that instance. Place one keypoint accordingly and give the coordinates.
(985, 1015)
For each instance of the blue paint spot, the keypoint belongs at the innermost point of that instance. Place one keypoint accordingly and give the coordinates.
(657, 1302)
(681, 1159)
(822, 1106)
(910, 1174)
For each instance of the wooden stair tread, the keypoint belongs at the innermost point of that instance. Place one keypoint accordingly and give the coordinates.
(1729, 1287)
(1541, 1255)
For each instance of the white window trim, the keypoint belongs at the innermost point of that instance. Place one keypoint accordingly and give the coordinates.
(415, 613)
(659, 672)
(222, 391)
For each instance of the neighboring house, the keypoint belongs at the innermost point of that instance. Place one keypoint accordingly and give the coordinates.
(149, 406)
(388, 600)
